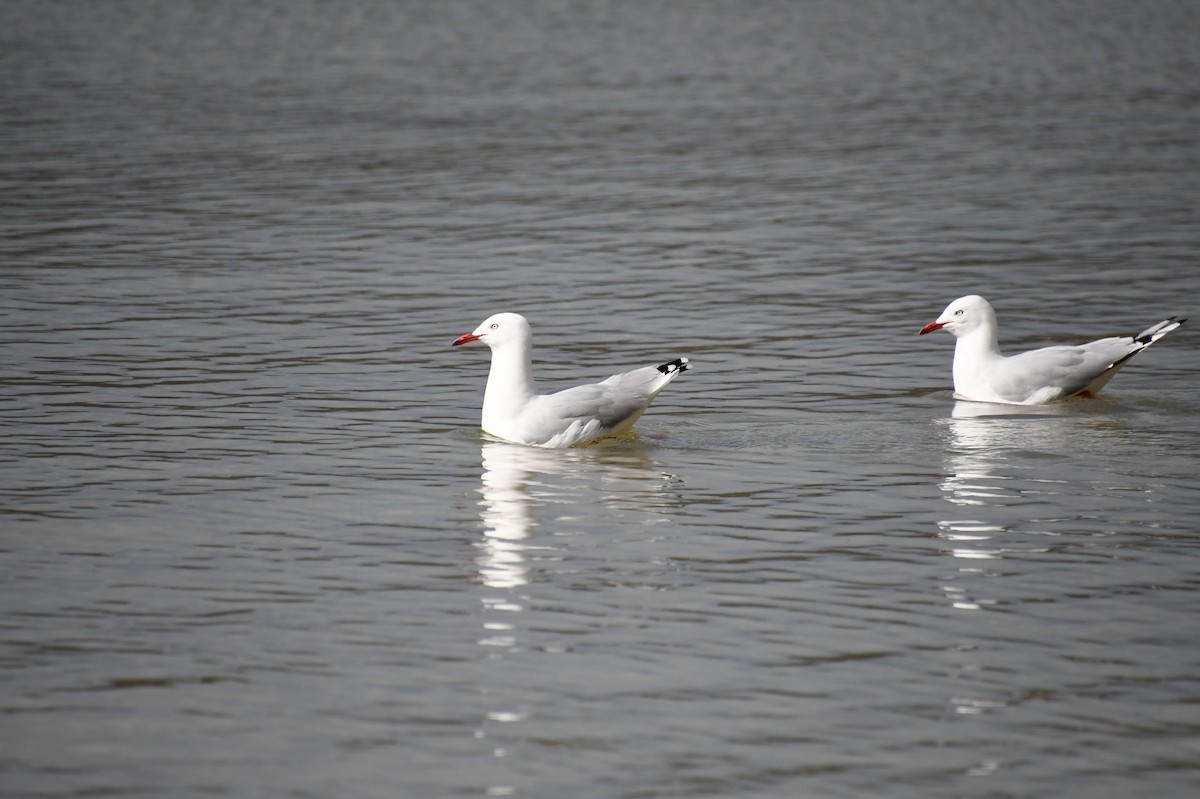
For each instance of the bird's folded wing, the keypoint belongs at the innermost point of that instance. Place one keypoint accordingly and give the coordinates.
(607, 402)
(1061, 371)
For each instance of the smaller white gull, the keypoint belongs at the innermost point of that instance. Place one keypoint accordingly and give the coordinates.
(984, 374)
(514, 410)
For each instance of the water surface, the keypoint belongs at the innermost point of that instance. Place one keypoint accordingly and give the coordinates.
(254, 543)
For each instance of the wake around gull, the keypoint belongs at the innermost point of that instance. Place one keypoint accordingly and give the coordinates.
(984, 374)
(514, 410)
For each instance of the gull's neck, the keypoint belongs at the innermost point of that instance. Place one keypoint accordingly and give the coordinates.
(509, 385)
(973, 353)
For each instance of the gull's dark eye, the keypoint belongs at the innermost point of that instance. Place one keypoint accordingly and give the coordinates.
(956, 313)
(494, 325)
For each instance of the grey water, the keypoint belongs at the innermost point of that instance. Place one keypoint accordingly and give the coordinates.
(254, 544)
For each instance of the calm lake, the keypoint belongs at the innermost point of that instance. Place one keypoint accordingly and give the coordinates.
(254, 544)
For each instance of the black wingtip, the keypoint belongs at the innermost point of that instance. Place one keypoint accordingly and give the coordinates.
(1153, 334)
(677, 365)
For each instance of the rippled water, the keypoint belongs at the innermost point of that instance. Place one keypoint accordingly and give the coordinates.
(254, 544)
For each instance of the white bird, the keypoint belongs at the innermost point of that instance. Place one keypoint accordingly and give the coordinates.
(984, 374)
(514, 410)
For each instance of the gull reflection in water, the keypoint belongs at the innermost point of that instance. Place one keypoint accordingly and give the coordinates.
(531, 499)
(524, 487)
(511, 478)
(982, 437)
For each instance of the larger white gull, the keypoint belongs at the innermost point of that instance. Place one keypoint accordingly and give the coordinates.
(513, 409)
(984, 374)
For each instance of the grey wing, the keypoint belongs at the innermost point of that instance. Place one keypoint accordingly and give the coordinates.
(584, 412)
(1115, 351)
(610, 402)
(632, 392)
(588, 410)
(1058, 371)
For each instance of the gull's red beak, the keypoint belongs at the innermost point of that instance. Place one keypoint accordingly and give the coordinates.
(466, 338)
(929, 328)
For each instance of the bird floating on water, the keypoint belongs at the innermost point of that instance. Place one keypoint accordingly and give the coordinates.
(984, 374)
(514, 410)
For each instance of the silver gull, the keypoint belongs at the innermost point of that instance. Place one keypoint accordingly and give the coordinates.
(984, 374)
(513, 409)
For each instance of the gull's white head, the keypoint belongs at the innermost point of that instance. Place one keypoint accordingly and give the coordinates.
(498, 330)
(963, 316)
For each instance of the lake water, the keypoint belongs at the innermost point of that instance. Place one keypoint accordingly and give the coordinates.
(253, 543)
